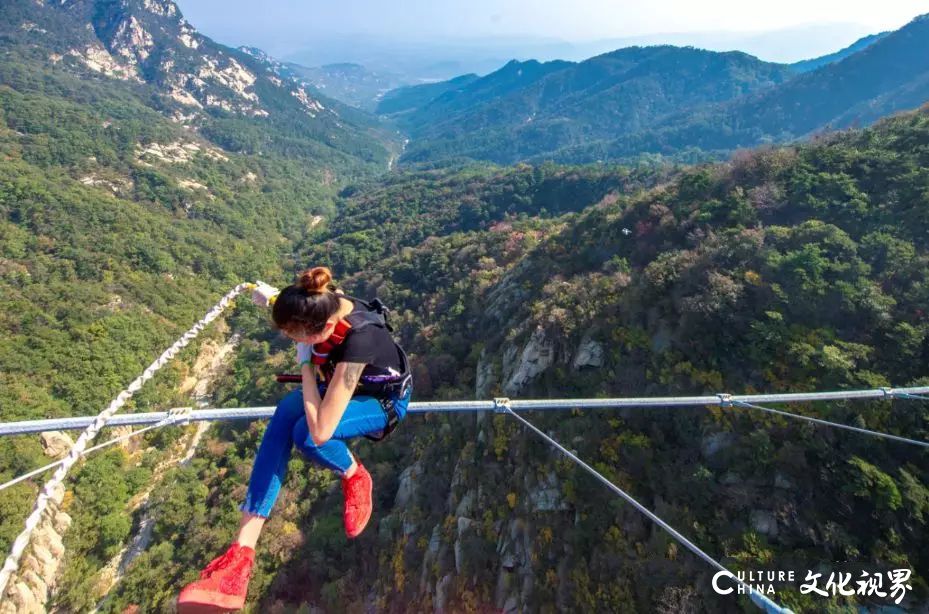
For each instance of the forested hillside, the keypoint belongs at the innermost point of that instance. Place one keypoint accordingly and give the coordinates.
(858, 45)
(146, 49)
(786, 269)
(378, 218)
(409, 98)
(528, 109)
(124, 214)
(888, 76)
(680, 103)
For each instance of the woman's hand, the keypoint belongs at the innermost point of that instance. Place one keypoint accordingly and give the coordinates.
(323, 419)
(264, 295)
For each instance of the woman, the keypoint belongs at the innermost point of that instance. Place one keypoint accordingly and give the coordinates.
(367, 389)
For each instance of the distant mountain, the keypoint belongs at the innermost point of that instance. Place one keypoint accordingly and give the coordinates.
(784, 45)
(446, 57)
(890, 75)
(410, 97)
(862, 43)
(506, 90)
(670, 101)
(350, 83)
(526, 109)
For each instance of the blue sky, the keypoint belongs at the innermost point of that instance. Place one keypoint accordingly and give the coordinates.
(572, 20)
(283, 26)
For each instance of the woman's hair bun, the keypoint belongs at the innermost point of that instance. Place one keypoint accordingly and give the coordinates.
(316, 279)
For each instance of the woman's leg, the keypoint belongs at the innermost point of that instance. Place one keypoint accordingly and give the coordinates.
(362, 416)
(270, 467)
(223, 583)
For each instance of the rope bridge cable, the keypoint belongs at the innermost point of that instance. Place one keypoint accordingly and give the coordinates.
(429, 407)
(924, 444)
(186, 415)
(175, 417)
(757, 598)
(22, 540)
(919, 397)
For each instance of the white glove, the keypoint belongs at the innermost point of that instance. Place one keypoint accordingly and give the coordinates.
(264, 295)
(304, 352)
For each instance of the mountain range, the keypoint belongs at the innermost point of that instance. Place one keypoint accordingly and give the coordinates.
(659, 100)
(527, 108)
(418, 58)
(351, 83)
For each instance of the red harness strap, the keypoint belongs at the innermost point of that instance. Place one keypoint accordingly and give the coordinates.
(321, 350)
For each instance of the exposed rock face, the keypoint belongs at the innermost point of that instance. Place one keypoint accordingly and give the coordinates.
(465, 506)
(715, 443)
(430, 557)
(150, 41)
(764, 522)
(537, 356)
(56, 443)
(407, 487)
(132, 41)
(312, 106)
(589, 354)
(160, 7)
(129, 445)
(546, 495)
(175, 153)
(441, 593)
(464, 525)
(98, 59)
(514, 582)
(486, 376)
(232, 76)
(30, 588)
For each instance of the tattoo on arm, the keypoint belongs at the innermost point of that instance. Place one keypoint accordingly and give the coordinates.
(352, 374)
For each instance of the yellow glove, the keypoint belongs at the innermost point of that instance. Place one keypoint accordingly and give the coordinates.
(264, 295)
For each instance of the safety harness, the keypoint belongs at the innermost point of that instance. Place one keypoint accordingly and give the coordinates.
(386, 386)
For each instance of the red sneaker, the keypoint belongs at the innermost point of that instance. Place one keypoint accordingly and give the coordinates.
(357, 490)
(223, 583)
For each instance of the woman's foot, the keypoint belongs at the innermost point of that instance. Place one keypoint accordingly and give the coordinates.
(357, 490)
(223, 584)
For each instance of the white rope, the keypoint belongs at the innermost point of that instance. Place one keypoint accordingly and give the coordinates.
(22, 540)
(175, 416)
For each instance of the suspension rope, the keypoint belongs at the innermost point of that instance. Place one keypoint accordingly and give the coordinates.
(924, 444)
(429, 407)
(176, 416)
(907, 395)
(757, 598)
(22, 540)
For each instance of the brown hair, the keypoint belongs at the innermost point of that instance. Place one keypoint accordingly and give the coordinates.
(306, 305)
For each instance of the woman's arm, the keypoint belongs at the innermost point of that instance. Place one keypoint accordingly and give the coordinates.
(311, 399)
(322, 416)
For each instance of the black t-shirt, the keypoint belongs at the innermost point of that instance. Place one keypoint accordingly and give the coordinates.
(371, 345)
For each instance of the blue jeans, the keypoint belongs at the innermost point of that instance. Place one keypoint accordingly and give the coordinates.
(363, 415)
